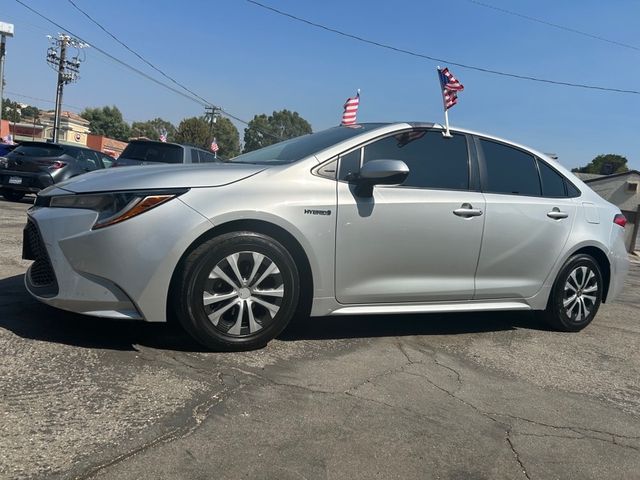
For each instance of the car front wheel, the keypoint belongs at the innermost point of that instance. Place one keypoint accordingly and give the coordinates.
(237, 291)
(576, 294)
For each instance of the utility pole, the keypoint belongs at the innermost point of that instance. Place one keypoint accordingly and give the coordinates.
(68, 71)
(211, 114)
(6, 30)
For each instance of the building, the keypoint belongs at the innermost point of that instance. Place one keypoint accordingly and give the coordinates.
(73, 128)
(623, 190)
(106, 145)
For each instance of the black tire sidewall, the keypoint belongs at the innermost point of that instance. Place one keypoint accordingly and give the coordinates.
(12, 195)
(198, 266)
(557, 311)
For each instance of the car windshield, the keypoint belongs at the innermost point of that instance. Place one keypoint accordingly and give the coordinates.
(298, 148)
(153, 152)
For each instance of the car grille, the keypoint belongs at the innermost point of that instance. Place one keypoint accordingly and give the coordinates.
(41, 275)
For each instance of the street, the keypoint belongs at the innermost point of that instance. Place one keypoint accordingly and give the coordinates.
(453, 396)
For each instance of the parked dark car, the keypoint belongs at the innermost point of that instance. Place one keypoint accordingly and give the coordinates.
(149, 152)
(33, 166)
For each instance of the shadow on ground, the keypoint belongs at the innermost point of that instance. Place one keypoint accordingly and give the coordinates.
(27, 199)
(28, 318)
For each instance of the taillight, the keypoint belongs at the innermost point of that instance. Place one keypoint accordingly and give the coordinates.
(620, 219)
(56, 165)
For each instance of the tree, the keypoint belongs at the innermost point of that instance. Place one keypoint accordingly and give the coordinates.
(10, 111)
(152, 129)
(198, 132)
(263, 131)
(227, 137)
(30, 112)
(605, 165)
(107, 121)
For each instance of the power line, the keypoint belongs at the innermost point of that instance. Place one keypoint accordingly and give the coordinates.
(14, 94)
(197, 99)
(95, 22)
(115, 59)
(554, 25)
(207, 103)
(435, 59)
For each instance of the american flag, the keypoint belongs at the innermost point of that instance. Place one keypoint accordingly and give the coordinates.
(163, 137)
(450, 87)
(351, 110)
(214, 146)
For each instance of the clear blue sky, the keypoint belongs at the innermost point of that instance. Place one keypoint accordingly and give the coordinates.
(252, 61)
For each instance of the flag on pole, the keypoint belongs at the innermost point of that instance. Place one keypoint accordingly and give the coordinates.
(450, 87)
(163, 136)
(351, 110)
(214, 146)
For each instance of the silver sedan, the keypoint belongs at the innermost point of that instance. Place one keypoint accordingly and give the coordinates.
(366, 219)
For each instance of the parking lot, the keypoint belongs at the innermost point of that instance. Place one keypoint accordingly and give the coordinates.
(482, 396)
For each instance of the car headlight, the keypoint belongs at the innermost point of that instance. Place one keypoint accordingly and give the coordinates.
(114, 207)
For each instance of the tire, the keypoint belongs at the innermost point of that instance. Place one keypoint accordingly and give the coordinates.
(237, 307)
(12, 195)
(576, 295)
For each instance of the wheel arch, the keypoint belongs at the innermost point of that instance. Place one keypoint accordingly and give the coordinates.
(599, 255)
(258, 226)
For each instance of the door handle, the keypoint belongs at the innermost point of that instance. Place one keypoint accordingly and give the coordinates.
(556, 214)
(466, 210)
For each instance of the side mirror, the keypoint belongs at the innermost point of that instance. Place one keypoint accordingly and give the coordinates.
(379, 172)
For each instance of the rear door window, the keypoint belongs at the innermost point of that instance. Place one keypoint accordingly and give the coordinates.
(509, 170)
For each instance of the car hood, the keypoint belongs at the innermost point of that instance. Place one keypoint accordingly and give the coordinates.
(160, 177)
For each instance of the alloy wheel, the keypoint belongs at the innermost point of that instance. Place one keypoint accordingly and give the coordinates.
(580, 293)
(243, 293)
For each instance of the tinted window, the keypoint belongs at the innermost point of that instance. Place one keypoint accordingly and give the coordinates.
(433, 160)
(38, 150)
(572, 191)
(300, 147)
(349, 163)
(552, 181)
(207, 157)
(195, 157)
(107, 161)
(509, 170)
(153, 152)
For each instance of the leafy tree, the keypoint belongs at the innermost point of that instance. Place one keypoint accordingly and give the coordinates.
(10, 110)
(152, 129)
(107, 121)
(194, 131)
(30, 112)
(197, 131)
(605, 165)
(266, 130)
(227, 137)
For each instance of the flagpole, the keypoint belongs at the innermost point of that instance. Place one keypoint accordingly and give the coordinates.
(446, 123)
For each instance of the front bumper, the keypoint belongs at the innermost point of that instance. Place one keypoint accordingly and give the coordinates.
(29, 181)
(122, 271)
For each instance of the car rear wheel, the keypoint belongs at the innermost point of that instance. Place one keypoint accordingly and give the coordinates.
(12, 195)
(237, 291)
(576, 294)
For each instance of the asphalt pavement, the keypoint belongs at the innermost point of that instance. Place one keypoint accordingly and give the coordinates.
(473, 396)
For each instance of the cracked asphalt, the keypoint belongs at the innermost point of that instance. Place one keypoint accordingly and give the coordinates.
(475, 396)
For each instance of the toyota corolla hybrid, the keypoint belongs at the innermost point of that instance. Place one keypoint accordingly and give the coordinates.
(366, 219)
